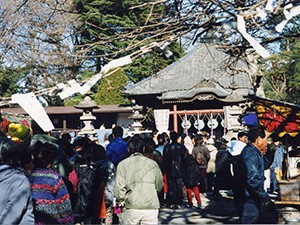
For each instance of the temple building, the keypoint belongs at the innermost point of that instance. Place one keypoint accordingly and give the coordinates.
(198, 92)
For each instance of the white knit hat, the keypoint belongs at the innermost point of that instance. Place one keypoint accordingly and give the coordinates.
(188, 144)
(210, 141)
(235, 147)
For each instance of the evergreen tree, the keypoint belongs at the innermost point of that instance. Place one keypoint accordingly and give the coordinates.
(282, 75)
(111, 30)
(109, 89)
(11, 80)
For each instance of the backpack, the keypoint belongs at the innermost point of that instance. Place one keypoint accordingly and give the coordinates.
(201, 160)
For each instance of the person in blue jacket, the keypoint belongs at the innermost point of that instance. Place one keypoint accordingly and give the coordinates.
(253, 200)
(117, 149)
(15, 195)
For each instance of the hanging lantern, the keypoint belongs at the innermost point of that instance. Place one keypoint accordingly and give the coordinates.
(213, 123)
(186, 124)
(222, 123)
(199, 124)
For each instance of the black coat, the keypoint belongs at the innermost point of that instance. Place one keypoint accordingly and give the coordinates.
(192, 172)
(88, 188)
(173, 157)
(224, 178)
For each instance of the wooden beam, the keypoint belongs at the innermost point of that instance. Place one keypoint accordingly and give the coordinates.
(203, 111)
(287, 203)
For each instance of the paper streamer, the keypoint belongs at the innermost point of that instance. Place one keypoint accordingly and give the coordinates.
(147, 48)
(269, 6)
(72, 88)
(90, 83)
(261, 13)
(117, 63)
(288, 15)
(241, 26)
(34, 109)
(57, 88)
(111, 65)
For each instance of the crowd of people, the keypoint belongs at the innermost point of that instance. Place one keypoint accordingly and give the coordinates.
(50, 180)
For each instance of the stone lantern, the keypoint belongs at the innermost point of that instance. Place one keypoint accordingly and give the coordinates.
(137, 118)
(87, 106)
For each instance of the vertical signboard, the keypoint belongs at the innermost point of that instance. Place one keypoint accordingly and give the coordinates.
(162, 119)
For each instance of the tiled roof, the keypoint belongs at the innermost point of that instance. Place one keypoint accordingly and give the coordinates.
(197, 73)
(72, 110)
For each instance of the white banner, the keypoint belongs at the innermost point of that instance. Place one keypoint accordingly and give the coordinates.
(162, 119)
(34, 109)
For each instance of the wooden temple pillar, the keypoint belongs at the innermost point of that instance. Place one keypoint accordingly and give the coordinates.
(175, 118)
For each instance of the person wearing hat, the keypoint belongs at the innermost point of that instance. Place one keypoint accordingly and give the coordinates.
(19, 132)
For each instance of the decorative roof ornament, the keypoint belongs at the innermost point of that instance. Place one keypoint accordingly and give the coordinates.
(234, 97)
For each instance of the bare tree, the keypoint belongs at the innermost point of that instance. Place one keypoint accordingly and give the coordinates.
(246, 29)
(210, 20)
(38, 34)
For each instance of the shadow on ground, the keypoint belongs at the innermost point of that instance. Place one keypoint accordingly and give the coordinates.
(220, 211)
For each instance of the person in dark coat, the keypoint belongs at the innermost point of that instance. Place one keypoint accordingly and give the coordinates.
(107, 173)
(88, 186)
(200, 147)
(224, 178)
(173, 157)
(191, 180)
(252, 199)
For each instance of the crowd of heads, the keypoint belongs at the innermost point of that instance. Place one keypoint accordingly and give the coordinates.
(84, 144)
(82, 150)
(13, 153)
(44, 155)
(137, 143)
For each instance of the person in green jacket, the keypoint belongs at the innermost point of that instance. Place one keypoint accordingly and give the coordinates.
(138, 181)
